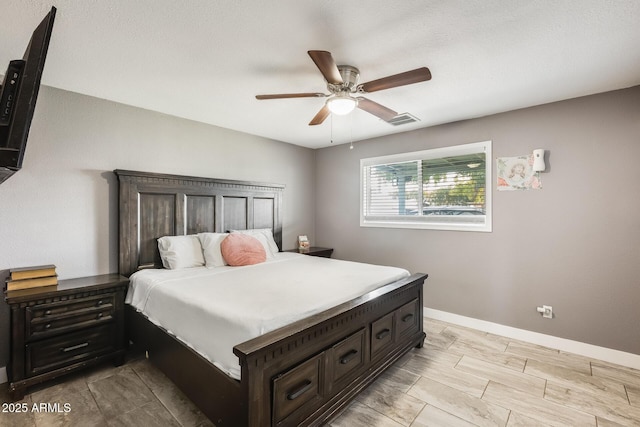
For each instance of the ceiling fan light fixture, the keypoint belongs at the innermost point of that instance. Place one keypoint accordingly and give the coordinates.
(341, 104)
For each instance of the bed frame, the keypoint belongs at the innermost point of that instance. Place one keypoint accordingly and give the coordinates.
(302, 374)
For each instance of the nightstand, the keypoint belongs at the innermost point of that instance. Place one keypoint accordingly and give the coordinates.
(62, 328)
(314, 251)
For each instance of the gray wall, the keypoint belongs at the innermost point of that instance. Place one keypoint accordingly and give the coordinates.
(61, 208)
(574, 245)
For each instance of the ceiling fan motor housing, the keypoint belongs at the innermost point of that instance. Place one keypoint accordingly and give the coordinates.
(350, 76)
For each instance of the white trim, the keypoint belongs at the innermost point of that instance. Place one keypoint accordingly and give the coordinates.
(3, 375)
(431, 153)
(429, 225)
(601, 353)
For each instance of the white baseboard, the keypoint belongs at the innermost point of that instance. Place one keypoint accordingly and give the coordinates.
(3, 374)
(601, 353)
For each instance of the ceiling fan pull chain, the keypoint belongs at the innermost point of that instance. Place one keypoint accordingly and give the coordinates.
(351, 129)
(332, 128)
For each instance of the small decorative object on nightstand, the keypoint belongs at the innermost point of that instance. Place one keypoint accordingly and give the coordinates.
(62, 328)
(303, 243)
(314, 251)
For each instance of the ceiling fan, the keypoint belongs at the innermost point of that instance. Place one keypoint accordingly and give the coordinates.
(342, 83)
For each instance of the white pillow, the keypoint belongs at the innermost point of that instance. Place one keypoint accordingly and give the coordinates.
(180, 252)
(211, 248)
(265, 236)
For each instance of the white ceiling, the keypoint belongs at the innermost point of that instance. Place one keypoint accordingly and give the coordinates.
(205, 60)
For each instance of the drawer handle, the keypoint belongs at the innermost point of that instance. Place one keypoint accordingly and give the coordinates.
(74, 347)
(100, 303)
(302, 389)
(407, 318)
(47, 326)
(383, 333)
(48, 312)
(348, 357)
(100, 315)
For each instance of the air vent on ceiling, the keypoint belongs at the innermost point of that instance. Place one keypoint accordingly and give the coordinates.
(403, 119)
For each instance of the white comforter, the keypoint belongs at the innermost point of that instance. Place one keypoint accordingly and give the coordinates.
(214, 309)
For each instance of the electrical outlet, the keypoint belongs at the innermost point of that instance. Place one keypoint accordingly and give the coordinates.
(546, 311)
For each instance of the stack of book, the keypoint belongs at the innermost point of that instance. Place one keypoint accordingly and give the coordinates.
(32, 277)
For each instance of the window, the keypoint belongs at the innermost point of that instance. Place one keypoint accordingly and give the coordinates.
(444, 189)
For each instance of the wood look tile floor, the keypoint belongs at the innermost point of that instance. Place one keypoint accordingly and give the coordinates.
(462, 377)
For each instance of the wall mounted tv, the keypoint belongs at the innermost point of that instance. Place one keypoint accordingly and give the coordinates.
(18, 96)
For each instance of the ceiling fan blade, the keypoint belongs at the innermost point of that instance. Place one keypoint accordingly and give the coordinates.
(327, 66)
(376, 109)
(291, 95)
(402, 79)
(321, 116)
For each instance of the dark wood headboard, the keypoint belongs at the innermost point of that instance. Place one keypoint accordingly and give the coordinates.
(153, 205)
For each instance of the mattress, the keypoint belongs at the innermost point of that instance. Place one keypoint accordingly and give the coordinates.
(213, 309)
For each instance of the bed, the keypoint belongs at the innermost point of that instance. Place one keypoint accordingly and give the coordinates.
(301, 371)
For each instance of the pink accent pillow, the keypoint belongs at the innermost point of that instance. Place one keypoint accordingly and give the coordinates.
(241, 249)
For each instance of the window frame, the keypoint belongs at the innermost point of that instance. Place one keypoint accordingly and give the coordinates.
(434, 153)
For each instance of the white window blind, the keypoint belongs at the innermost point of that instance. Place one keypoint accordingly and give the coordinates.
(444, 188)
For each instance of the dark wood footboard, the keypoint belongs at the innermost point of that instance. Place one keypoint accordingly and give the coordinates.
(302, 374)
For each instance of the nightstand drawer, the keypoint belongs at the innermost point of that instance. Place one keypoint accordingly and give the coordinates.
(69, 306)
(70, 348)
(53, 325)
(50, 319)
